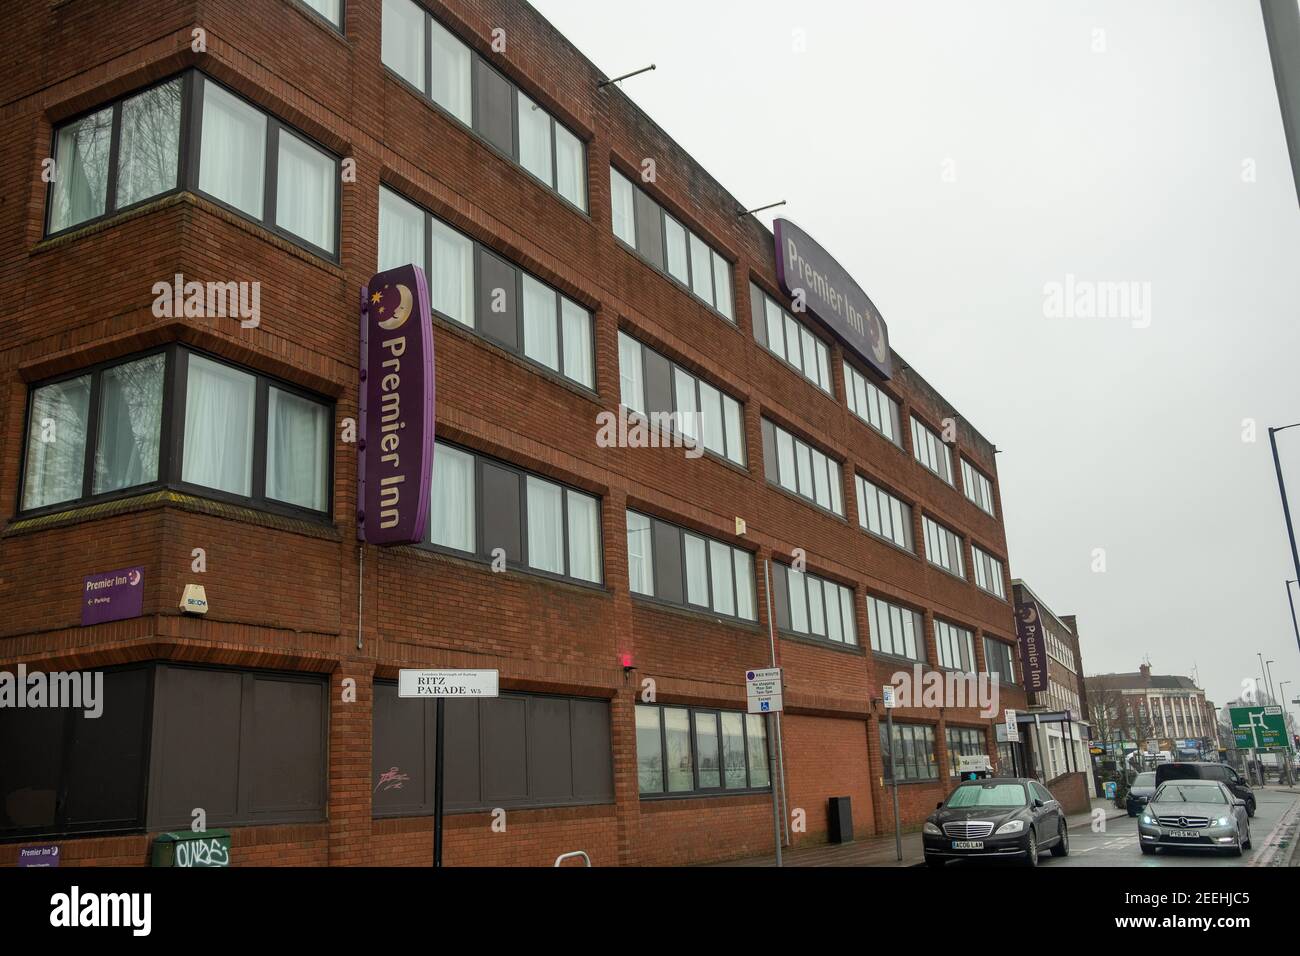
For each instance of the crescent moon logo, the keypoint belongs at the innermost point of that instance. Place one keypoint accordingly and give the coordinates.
(401, 313)
(878, 347)
(133, 578)
(1029, 615)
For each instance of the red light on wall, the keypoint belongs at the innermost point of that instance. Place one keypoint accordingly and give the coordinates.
(626, 660)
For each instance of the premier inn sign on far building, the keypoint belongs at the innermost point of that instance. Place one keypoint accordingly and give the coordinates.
(809, 273)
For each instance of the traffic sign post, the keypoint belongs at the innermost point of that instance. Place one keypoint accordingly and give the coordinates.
(887, 695)
(439, 686)
(763, 692)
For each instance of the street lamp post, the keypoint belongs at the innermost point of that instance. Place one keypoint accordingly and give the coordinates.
(1286, 507)
(1281, 693)
(1291, 600)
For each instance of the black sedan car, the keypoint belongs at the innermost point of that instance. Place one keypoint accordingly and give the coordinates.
(1001, 817)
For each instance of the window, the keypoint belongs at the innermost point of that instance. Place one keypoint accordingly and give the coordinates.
(514, 751)
(895, 630)
(789, 340)
(434, 61)
(242, 435)
(799, 468)
(943, 547)
(956, 647)
(872, 405)
(680, 567)
(978, 488)
(662, 241)
(478, 505)
(910, 754)
(701, 412)
(304, 199)
(681, 750)
(475, 287)
(883, 515)
(146, 129)
(331, 10)
(999, 658)
(929, 449)
(964, 742)
(809, 605)
(988, 572)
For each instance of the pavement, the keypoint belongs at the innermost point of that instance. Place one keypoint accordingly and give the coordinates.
(882, 851)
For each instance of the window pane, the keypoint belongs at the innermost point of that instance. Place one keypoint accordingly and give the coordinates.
(452, 506)
(775, 328)
(687, 411)
(218, 448)
(81, 165)
(792, 347)
(803, 457)
(735, 430)
(130, 421)
(535, 139)
(540, 333)
(305, 191)
(451, 85)
(677, 729)
(329, 9)
(545, 526)
(722, 285)
(631, 383)
(401, 233)
(720, 569)
(233, 156)
(639, 569)
(798, 602)
(697, 571)
(620, 190)
(649, 751)
(584, 537)
(785, 460)
(733, 750)
(744, 566)
(403, 41)
(823, 366)
(149, 150)
(577, 342)
(706, 739)
(756, 741)
(834, 622)
(808, 344)
(821, 484)
(701, 269)
(816, 610)
(715, 438)
(570, 167)
(675, 235)
(297, 450)
(56, 443)
(451, 277)
(848, 617)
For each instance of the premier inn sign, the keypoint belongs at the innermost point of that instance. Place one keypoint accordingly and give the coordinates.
(809, 274)
(396, 422)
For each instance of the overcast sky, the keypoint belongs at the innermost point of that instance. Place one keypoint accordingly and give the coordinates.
(982, 149)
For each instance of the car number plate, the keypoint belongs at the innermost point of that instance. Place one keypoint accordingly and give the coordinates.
(1185, 834)
(968, 844)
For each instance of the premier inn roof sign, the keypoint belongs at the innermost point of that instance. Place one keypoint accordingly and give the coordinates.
(396, 424)
(809, 274)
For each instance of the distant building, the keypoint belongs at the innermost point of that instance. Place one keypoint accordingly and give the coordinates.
(1141, 710)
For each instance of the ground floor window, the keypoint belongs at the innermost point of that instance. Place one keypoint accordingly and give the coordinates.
(686, 750)
(964, 742)
(910, 753)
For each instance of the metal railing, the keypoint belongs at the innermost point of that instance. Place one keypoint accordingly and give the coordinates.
(586, 860)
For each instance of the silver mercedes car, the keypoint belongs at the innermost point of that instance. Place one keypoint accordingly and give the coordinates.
(1196, 815)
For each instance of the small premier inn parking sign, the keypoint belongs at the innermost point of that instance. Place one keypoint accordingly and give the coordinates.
(395, 439)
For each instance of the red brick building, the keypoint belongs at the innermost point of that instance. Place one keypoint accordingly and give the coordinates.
(292, 149)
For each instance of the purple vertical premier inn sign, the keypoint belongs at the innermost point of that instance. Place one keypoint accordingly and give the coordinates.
(809, 273)
(395, 444)
(1033, 652)
(112, 596)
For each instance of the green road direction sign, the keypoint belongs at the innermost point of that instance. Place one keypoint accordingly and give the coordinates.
(1259, 727)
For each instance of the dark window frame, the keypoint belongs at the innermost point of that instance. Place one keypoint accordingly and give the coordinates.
(781, 568)
(685, 585)
(948, 450)
(1010, 650)
(172, 437)
(962, 737)
(696, 790)
(336, 27)
(927, 734)
(766, 424)
(965, 463)
(189, 157)
(918, 631)
(972, 648)
(959, 547)
(896, 419)
(976, 553)
(482, 556)
(759, 323)
(909, 525)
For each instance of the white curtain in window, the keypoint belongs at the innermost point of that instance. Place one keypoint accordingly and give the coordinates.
(305, 191)
(403, 41)
(297, 450)
(577, 342)
(233, 153)
(640, 570)
(735, 430)
(584, 536)
(149, 149)
(451, 506)
(631, 383)
(798, 601)
(785, 475)
(218, 449)
(687, 408)
(775, 327)
(722, 285)
(678, 262)
(401, 232)
(620, 195)
(535, 140)
(81, 166)
(701, 269)
(697, 571)
(329, 9)
(56, 443)
(545, 526)
(451, 83)
(744, 566)
(715, 438)
(451, 278)
(720, 570)
(570, 167)
(130, 421)
(540, 331)
(816, 609)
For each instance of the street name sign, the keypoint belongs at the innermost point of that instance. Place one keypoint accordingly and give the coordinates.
(887, 695)
(763, 688)
(1258, 727)
(432, 685)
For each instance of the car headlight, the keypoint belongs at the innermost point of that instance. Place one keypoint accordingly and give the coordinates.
(1147, 819)
(931, 829)
(1223, 821)
(1015, 826)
